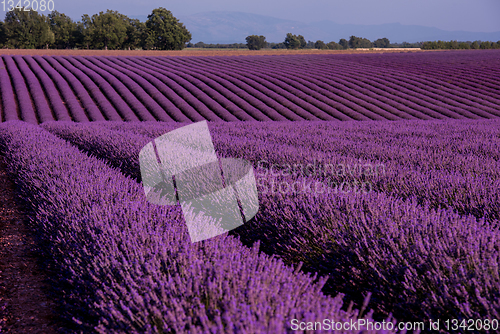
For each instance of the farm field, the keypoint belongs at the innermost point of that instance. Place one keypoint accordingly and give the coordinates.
(378, 178)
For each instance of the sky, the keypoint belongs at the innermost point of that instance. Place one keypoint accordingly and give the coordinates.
(467, 15)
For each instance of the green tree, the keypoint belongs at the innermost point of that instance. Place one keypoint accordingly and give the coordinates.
(3, 36)
(382, 43)
(292, 41)
(136, 34)
(255, 42)
(320, 45)
(108, 30)
(334, 46)
(485, 45)
(27, 29)
(303, 42)
(165, 32)
(64, 29)
(344, 43)
(475, 45)
(463, 45)
(83, 35)
(358, 42)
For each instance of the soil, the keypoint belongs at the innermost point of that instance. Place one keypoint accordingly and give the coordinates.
(25, 304)
(191, 52)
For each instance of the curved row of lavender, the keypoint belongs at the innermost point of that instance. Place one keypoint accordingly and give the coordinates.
(127, 266)
(420, 261)
(405, 86)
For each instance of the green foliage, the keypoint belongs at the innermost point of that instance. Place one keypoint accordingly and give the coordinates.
(217, 46)
(108, 30)
(137, 34)
(64, 29)
(165, 32)
(334, 46)
(382, 43)
(358, 42)
(3, 35)
(344, 43)
(293, 41)
(255, 42)
(277, 45)
(485, 45)
(27, 29)
(320, 45)
(455, 45)
(303, 42)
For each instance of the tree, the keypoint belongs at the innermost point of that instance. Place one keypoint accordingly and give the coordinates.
(27, 29)
(344, 44)
(485, 45)
(136, 34)
(475, 45)
(358, 42)
(3, 36)
(83, 35)
(64, 29)
(382, 43)
(303, 42)
(255, 42)
(334, 46)
(108, 30)
(292, 41)
(165, 32)
(320, 45)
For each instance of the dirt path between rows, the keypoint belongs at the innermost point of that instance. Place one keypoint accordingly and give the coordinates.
(25, 306)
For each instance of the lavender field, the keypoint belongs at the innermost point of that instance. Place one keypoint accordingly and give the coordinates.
(378, 178)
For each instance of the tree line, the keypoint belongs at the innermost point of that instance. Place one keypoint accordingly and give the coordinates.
(292, 41)
(455, 45)
(108, 30)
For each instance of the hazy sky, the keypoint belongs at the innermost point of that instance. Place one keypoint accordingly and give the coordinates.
(469, 15)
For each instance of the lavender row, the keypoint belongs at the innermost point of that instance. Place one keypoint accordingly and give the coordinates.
(21, 92)
(461, 71)
(64, 87)
(122, 89)
(363, 71)
(428, 173)
(9, 104)
(41, 106)
(331, 92)
(111, 95)
(146, 93)
(210, 102)
(227, 98)
(400, 249)
(320, 106)
(139, 109)
(295, 106)
(437, 86)
(132, 264)
(262, 98)
(245, 92)
(92, 112)
(54, 99)
(109, 112)
(431, 95)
